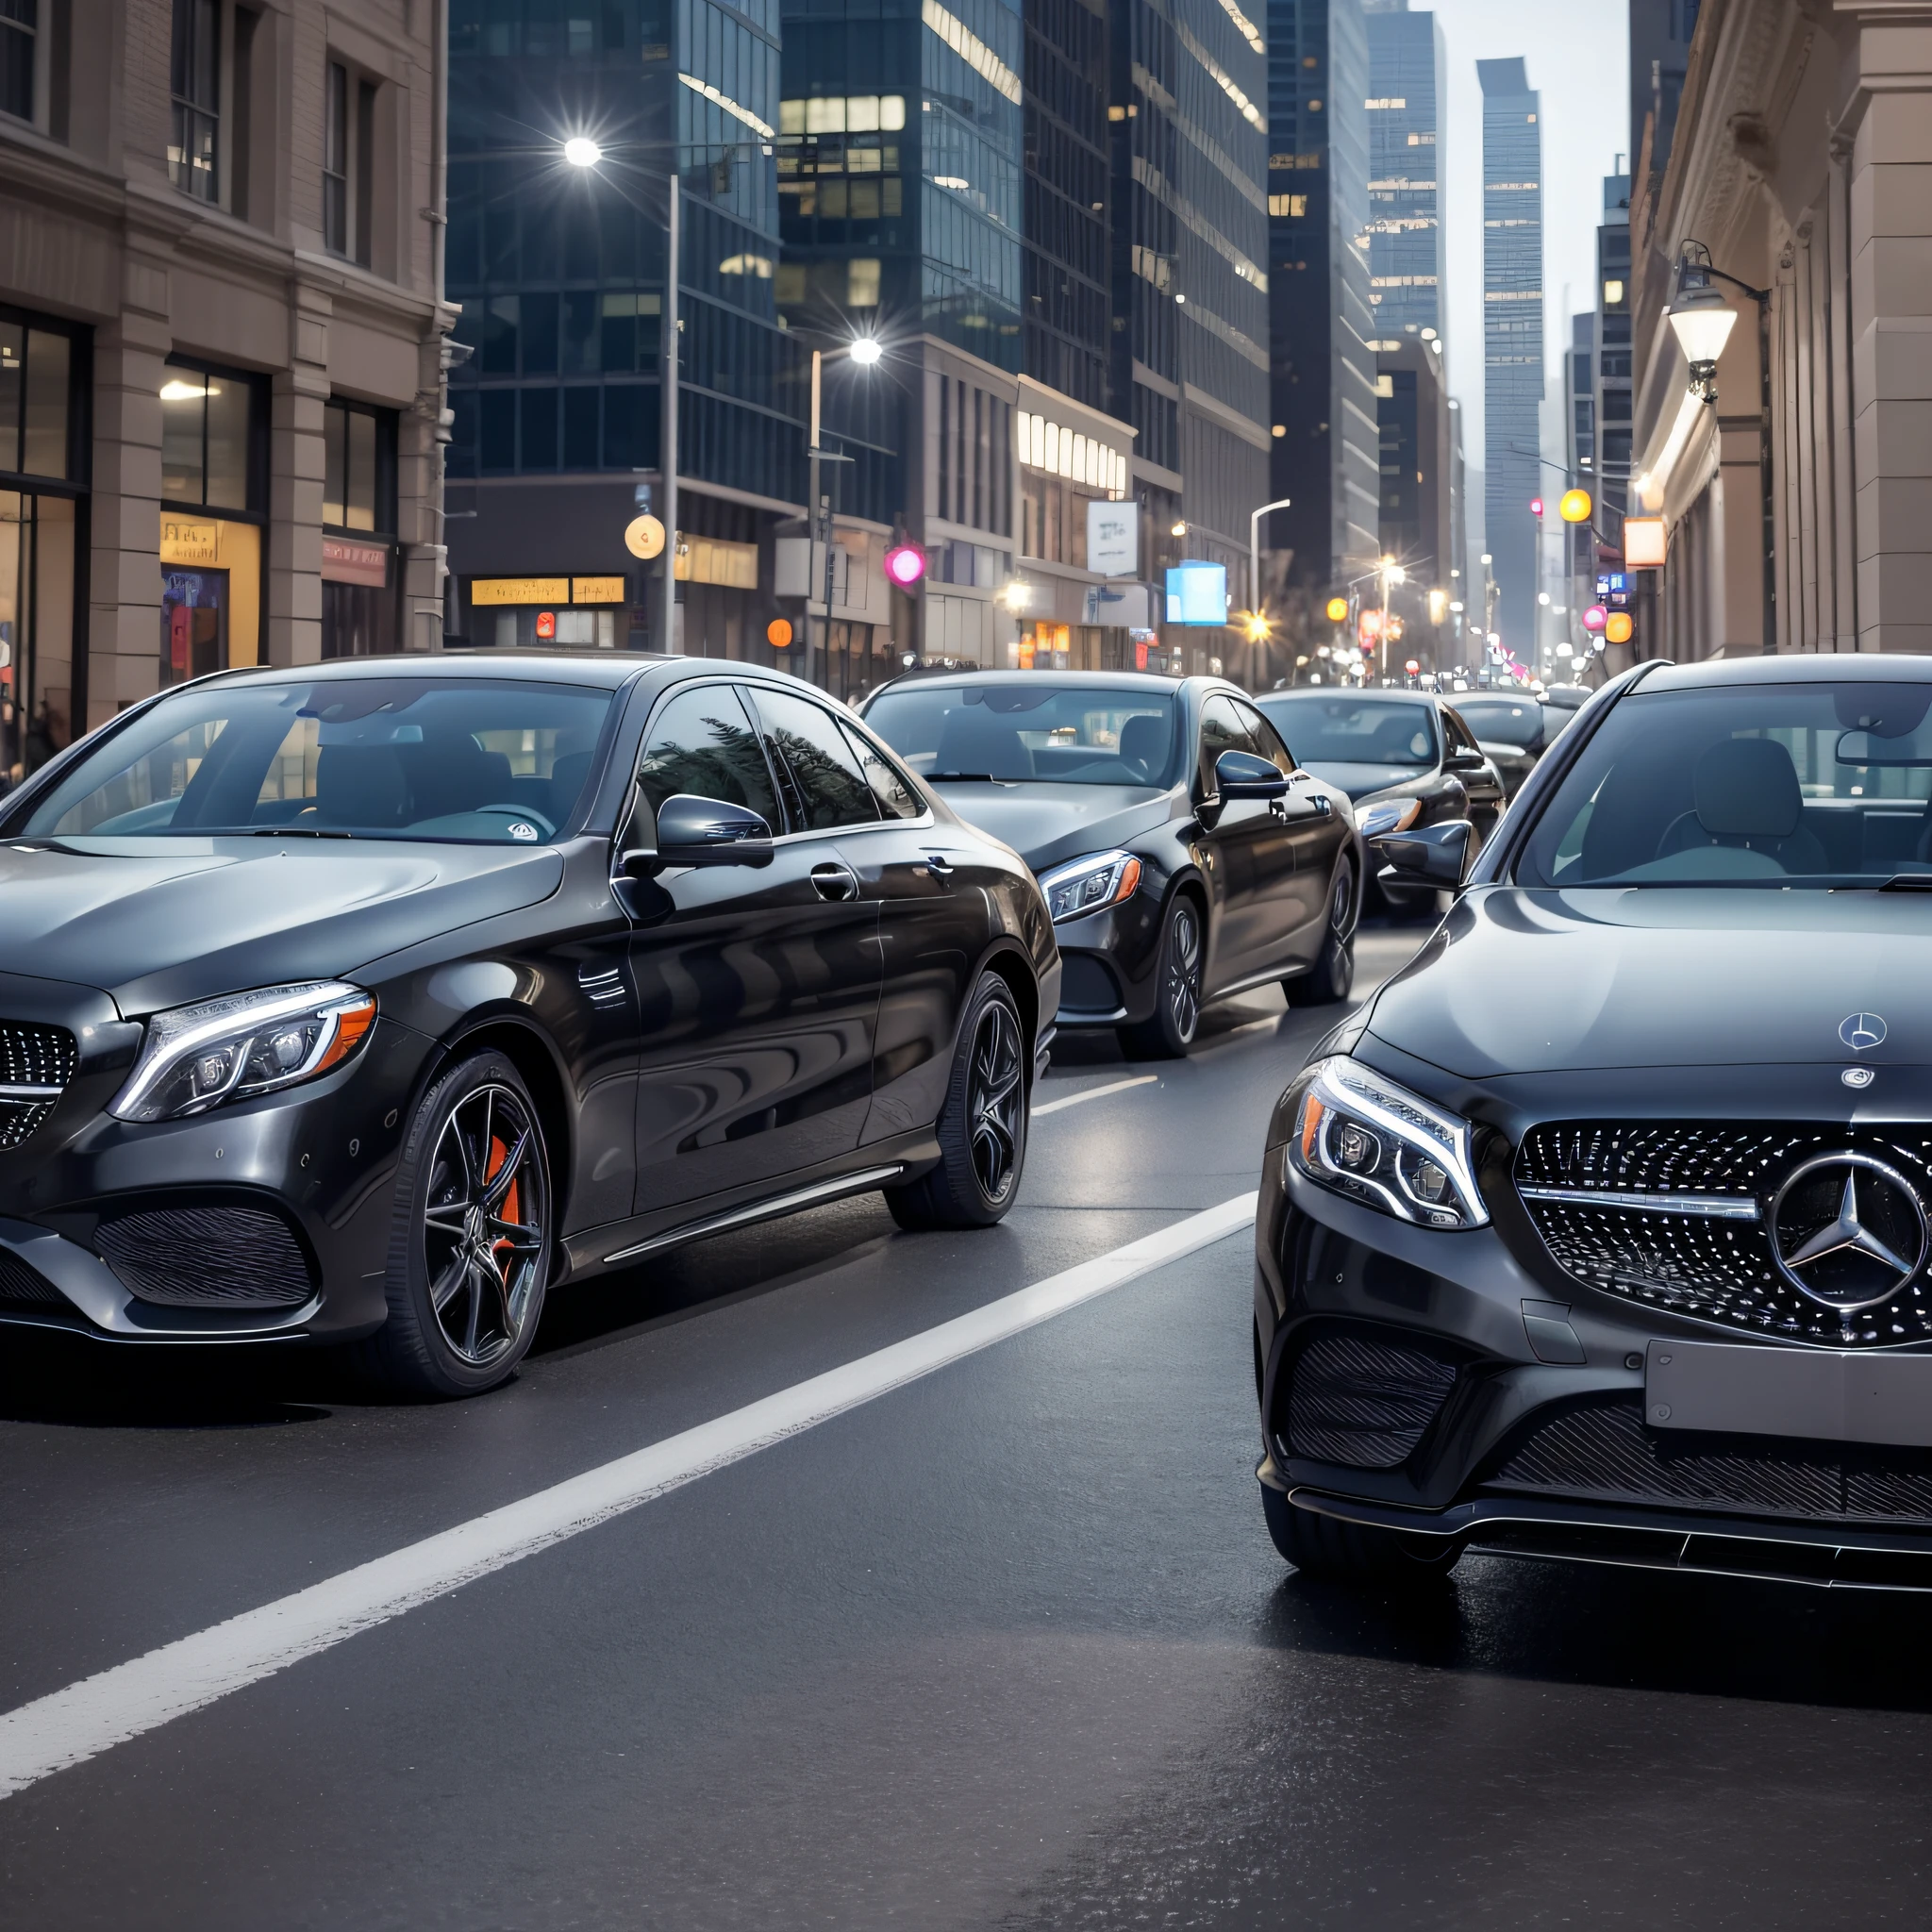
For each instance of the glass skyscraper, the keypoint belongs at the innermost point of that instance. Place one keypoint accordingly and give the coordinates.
(1407, 91)
(1326, 453)
(1512, 340)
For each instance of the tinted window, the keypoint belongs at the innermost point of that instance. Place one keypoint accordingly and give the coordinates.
(894, 796)
(1355, 730)
(1267, 740)
(1068, 734)
(480, 759)
(1222, 729)
(1503, 721)
(702, 743)
(1769, 784)
(824, 786)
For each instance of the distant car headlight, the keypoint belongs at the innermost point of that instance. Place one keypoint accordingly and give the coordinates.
(1085, 885)
(1380, 1145)
(1396, 815)
(244, 1043)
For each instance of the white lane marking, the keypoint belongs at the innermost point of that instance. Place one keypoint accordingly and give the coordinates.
(1095, 1094)
(86, 1718)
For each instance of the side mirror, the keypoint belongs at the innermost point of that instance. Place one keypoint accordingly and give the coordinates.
(1464, 759)
(1429, 855)
(706, 831)
(1242, 775)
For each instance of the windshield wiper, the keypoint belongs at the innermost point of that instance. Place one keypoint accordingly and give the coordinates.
(289, 832)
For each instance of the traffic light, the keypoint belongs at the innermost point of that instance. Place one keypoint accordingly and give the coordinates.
(1575, 506)
(1536, 507)
(1618, 628)
(1337, 611)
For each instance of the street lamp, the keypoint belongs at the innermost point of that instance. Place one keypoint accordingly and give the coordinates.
(865, 351)
(580, 151)
(1254, 549)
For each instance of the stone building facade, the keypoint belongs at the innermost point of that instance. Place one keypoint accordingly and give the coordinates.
(221, 345)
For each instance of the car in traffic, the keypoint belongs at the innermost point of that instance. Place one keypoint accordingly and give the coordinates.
(1405, 759)
(1603, 1231)
(367, 1003)
(1514, 730)
(1183, 853)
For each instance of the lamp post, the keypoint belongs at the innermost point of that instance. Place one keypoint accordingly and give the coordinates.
(1702, 321)
(865, 351)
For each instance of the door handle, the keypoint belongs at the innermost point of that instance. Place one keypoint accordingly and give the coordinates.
(939, 865)
(834, 882)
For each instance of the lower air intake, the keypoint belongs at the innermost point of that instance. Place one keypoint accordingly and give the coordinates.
(1363, 1403)
(24, 1287)
(229, 1257)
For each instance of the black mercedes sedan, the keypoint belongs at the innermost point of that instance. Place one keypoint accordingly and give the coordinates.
(1183, 852)
(366, 1003)
(1604, 1230)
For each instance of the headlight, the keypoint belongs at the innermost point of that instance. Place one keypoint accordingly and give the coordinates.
(195, 1058)
(1394, 815)
(1376, 1141)
(1085, 885)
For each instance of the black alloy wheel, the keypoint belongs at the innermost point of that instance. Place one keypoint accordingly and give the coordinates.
(470, 1245)
(982, 1126)
(1170, 1031)
(1332, 977)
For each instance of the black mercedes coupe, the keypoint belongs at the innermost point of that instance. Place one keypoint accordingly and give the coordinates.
(1604, 1231)
(365, 1003)
(1184, 854)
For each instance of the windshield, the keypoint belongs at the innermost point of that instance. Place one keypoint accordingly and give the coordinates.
(1069, 734)
(384, 756)
(1751, 785)
(1324, 729)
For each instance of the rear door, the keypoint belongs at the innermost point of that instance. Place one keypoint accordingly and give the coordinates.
(757, 985)
(1314, 831)
(1253, 852)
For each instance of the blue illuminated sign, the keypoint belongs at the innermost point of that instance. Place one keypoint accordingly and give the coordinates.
(1197, 593)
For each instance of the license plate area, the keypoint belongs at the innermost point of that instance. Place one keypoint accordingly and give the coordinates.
(1817, 1395)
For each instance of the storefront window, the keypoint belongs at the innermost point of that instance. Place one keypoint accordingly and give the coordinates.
(209, 436)
(36, 373)
(359, 514)
(37, 580)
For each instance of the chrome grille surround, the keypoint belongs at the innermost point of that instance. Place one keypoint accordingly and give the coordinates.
(1673, 1215)
(36, 1063)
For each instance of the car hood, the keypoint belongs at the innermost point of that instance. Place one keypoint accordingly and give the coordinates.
(156, 922)
(1358, 781)
(1517, 981)
(1047, 824)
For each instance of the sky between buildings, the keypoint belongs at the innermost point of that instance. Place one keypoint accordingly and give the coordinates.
(1577, 52)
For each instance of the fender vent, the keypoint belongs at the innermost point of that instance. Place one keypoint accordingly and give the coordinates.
(1363, 1403)
(227, 1257)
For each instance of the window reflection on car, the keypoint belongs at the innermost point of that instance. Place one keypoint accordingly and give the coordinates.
(384, 756)
(1062, 734)
(1365, 729)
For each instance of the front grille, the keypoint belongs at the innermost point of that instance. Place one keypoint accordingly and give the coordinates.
(1702, 1262)
(22, 1286)
(1606, 1453)
(1363, 1402)
(36, 1063)
(226, 1257)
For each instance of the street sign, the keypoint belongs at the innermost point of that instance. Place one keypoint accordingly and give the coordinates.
(644, 537)
(1113, 538)
(1645, 543)
(778, 633)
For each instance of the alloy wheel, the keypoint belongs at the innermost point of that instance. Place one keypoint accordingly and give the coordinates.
(995, 1096)
(1184, 973)
(485, 1224)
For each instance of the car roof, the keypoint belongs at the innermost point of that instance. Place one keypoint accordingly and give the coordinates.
(1873, 667)
(1102, 680)
(1373, 692)
(612, 670)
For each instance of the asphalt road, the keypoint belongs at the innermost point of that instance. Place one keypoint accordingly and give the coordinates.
(1005, 1646)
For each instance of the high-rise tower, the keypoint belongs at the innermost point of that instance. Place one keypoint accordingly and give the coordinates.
(1407, 91)
(1512, 340)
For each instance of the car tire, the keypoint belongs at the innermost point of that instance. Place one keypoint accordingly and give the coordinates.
(1338, 1552)
(1332, 977)
(1169, 1031)
(982, 1124)
(471, 1239)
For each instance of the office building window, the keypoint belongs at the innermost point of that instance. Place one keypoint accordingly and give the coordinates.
(20, 22)
(358, 490)
(213, 433)
(348, 165)
(195, 79)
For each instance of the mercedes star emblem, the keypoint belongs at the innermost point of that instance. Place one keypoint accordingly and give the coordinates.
(1863, 1031)
(1848, 1231)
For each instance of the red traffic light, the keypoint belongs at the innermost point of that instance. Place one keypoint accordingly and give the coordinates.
(905, 564)
(1595, 618)
(1536, 505)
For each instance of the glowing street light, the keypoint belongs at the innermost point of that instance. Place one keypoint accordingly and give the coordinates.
(865, 351)
(580, 151)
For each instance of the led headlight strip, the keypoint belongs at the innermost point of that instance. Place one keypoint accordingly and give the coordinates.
(1374, 1141)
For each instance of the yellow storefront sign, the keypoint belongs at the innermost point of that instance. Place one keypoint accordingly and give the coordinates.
(597, 591)
(190, 540)
(520, 590)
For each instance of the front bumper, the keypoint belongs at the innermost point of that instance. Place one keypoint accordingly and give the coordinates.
(281, 1208)
(1110, 964)
(1427, 1382)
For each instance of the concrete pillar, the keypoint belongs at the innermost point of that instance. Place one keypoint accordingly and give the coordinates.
(295, 479)
(1891, 243)
(124, 569)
